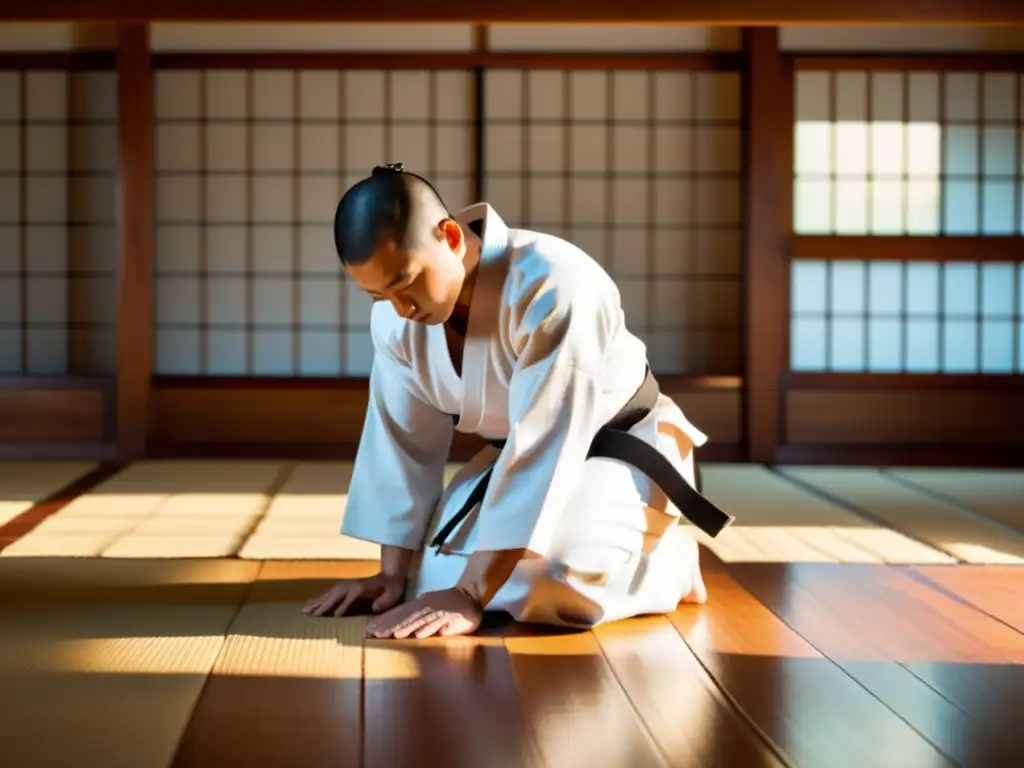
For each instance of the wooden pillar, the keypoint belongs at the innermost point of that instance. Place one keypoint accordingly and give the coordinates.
(135, 238)
(481, 44)
(768, 102)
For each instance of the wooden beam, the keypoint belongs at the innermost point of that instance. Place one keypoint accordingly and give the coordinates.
(724, 12)
(907, 248)
(768, 160)
(908, 61)
(135, 236)
(477, 59)
(58, 61)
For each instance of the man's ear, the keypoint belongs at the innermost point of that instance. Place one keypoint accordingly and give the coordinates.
(452, 233)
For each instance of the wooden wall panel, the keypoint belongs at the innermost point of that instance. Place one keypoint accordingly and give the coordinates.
(716, 412)
(310, 420)
(257, 413)
(905, 417)
(58, 415)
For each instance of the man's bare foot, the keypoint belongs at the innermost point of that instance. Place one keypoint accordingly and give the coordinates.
(698, 594)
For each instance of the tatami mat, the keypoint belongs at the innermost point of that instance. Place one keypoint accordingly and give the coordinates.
(106, 685)
(46, 580)
(778, 521)
(271, 636)
(26, 483)
(276, 511)
(102, 661)
(968, 537)
(157, 509)
(304, 519)
(995, 493)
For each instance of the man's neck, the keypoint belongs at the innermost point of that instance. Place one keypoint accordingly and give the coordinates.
(459, 320)
(458, 323)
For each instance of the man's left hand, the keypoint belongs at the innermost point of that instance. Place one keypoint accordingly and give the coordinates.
(448, 612)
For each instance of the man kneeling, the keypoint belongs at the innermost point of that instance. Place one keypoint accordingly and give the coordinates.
(518, 337)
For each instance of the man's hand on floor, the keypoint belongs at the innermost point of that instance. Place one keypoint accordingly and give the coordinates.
(385, 592)
(448, 612)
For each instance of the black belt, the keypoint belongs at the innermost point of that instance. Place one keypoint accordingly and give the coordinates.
(613, 441)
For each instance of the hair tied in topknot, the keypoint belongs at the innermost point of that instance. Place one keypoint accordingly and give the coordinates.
(380, 170)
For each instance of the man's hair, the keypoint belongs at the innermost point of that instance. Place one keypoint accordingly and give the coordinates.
(389, 205)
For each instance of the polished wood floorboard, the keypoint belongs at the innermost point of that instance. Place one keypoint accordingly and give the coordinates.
(262, 708)
(803, 702)
(457, 706)
(804, 665)
(996, 590)
(690, 718)
(798, 665)
(787, 665)
(947, 669)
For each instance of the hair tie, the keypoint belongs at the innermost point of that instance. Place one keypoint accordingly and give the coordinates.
(379, 170)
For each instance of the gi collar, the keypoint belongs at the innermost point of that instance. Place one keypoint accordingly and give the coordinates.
(495, 231)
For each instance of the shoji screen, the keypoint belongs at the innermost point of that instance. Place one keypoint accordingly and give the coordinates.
(915, 154)
(250, 167)
(57, 223)
(642, 170)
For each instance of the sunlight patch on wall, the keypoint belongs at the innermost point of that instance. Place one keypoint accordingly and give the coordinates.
(615, 38)
(918, 153)
(370, 38)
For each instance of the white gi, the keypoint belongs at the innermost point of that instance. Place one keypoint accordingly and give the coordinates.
(547, 361)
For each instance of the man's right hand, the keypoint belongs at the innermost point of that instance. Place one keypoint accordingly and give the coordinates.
(385, 591)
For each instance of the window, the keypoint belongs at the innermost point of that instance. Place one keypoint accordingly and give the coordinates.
(57, 222)
(642, 170)
(250, 168)
(908, 153)
(917, 317)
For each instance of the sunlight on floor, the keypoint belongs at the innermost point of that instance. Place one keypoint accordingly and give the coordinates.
(264, 510)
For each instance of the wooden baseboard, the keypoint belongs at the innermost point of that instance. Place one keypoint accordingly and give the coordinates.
(996, 455)
(305, 417)
(29, 451)
(54, 412)
(926, 416)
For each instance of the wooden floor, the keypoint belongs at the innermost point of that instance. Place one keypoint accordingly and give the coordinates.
(802, 665)
(141, 663)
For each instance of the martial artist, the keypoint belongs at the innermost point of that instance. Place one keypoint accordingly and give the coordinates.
(518, 337)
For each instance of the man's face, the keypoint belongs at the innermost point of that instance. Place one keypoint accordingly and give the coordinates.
(423, 285)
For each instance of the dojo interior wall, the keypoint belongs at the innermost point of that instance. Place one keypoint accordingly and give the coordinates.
(57, 242)
(906, 285)
(643, 168)
(895, 333)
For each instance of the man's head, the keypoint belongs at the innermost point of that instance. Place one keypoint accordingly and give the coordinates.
(397, 240)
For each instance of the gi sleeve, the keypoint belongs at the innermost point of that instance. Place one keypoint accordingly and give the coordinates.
(398, 475)
(554, 394)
